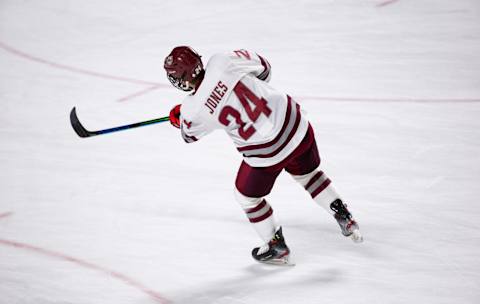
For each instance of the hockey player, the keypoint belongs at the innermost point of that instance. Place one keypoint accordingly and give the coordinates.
(267, 126)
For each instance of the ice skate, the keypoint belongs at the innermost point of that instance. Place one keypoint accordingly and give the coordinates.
(274, 252)
(346, 222)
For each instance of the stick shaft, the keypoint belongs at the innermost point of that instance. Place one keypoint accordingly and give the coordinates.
(82, 132)
(134, 125)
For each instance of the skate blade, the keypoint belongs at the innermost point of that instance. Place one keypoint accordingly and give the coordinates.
(356, 236)
(283, 261)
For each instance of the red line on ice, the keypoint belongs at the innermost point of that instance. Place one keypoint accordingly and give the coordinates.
(386, 99)
(385, 3)
(155, 85)
(60, 256)
(5, 214)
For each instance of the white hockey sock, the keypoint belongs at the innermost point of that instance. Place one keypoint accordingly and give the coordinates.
(320, 188)
(260, 214)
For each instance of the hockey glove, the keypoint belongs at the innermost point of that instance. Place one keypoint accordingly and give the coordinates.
(175, 116)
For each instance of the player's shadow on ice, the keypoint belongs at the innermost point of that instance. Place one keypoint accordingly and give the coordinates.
(318, 240)
(256, 278)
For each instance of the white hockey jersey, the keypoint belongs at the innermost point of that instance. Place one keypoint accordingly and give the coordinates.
(264, 124)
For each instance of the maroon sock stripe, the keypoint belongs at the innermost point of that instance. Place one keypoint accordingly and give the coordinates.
(259, 212)
(262, 204)
(317, 182)
(321, 188)
(314, 179)
(262, 217)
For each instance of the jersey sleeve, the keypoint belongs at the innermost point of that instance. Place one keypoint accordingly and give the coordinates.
(191, 126)
(253, 63)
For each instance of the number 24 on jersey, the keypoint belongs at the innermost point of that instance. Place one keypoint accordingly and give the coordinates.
(246, 96)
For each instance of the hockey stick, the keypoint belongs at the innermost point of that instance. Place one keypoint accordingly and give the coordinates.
(82, 132)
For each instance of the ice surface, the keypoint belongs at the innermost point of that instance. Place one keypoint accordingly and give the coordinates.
(391, 87)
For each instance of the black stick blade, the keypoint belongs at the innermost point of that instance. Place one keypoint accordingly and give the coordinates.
(77, 126)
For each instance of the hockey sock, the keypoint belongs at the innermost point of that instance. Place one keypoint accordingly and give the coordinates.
(260, 214)
(320, 188)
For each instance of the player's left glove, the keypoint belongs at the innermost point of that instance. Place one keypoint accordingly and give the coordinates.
(175, 116)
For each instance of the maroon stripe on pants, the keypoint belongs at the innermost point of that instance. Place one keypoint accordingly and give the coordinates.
(321, 188)
(262, 217)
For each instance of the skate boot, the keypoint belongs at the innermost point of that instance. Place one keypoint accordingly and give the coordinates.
(344, 219)
(274, 252)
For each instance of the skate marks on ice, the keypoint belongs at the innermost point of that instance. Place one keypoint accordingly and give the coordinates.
(155, 296)
(242, 287)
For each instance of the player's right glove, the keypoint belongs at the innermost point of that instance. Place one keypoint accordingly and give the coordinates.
(175, 116)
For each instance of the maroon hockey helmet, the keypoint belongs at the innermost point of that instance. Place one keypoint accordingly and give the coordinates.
(184, 67)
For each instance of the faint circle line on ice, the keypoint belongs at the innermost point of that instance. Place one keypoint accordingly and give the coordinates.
(30, 57)
(139, 93)
(5, 214)
(85, 264)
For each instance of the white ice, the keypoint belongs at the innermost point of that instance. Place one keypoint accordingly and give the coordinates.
(391, 87)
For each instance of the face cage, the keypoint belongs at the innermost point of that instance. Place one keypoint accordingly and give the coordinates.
(180, 83)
